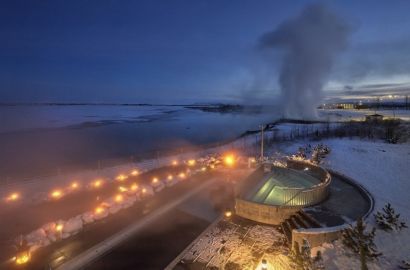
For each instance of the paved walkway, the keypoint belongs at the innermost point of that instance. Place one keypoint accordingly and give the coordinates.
(102, 248)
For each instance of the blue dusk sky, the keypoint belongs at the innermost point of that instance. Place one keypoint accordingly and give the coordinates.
(181, 51)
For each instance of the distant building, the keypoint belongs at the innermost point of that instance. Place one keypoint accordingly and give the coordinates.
(374, 117)
(346, 106)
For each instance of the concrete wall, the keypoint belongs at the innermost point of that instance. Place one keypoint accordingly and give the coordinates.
(263, 213)
(317, 237)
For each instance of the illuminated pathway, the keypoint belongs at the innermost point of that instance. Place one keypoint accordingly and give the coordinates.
(102, 248)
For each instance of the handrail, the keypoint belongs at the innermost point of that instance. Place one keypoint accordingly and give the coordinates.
(271, 190)
(293, 197)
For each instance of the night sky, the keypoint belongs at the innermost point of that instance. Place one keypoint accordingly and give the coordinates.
(179, 51)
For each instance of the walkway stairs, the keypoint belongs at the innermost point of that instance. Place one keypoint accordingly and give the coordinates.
(296, 221)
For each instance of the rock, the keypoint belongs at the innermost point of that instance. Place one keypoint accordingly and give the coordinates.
(73, 225)
(87, 218)
(115, 209)
(37, 237)
(101, 215)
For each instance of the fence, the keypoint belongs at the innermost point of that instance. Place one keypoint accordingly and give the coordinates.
(35, 188)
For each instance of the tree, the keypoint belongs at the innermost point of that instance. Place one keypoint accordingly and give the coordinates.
(361, 242)
(301, 257)
(405, 265)
(318, 261)
(388, 219)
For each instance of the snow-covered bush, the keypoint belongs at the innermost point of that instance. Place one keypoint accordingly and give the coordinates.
(388, 219)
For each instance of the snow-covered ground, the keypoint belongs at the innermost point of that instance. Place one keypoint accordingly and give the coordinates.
(228, 243)
(346, 115)
(384, 170)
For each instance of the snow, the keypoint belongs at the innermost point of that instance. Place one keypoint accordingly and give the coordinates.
(17, 118)
(383, 169)
(227, 242)
(346, 115)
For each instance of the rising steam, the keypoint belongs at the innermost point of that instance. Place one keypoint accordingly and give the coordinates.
(310, 43)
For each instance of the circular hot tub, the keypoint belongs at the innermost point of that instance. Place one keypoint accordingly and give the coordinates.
(270, 196)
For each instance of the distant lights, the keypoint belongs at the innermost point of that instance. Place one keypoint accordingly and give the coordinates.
(182, 175)
(170, 177)
(175, 162)
(306, 169)
(154, 180)
(144, 190)
(135, 172)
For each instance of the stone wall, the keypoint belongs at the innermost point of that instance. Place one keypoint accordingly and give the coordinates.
(268, 214)
(317, 237)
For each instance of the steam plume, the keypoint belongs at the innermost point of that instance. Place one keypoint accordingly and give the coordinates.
(310, 43)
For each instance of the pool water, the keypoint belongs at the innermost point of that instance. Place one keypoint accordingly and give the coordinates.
(270, 189)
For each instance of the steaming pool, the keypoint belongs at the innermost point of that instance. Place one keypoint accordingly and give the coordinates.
(272, 188)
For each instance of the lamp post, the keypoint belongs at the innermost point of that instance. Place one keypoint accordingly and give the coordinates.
(262, 139)
(264, 265)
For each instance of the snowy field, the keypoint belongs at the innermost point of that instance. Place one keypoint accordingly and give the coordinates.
(346, 115)
(384, 170)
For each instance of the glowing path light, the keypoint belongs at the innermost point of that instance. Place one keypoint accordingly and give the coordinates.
(74, 185)
(121, 177)
(134, 187)
(97, 183)
(99, 210)
(229, 160)
(22, 258)
(228, 214)
(59, 227)
(122, 189)
(119, 198)
(191, 162)
(56, 194)
(265, 265)
(13, 197)
(154, 180)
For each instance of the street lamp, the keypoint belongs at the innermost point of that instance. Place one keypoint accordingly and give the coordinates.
(264, 265)
(229, 160)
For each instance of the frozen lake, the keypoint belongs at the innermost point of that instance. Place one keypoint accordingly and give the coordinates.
(38, 140)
